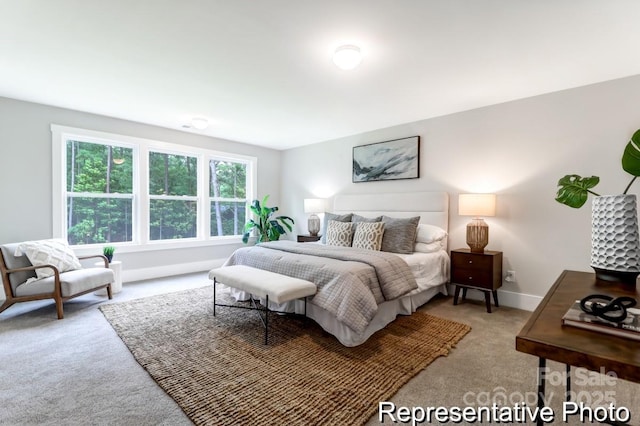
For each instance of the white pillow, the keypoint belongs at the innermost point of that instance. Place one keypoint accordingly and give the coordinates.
(429, 247)
(54, 252)
(368, 236)
(429, 233)
(339, 233)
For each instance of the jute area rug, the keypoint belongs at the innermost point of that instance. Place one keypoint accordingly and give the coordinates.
(220, 372)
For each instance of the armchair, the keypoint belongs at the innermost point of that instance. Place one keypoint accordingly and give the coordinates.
(20, 284)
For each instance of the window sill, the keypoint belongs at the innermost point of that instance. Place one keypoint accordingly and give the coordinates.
(84, 250)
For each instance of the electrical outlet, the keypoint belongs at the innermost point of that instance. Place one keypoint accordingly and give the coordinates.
(510, 277)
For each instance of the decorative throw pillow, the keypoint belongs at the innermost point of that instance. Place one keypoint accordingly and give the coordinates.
(368, 235)
(332, 216)
(54, 252)
(339, 233)
(399, 234)
(429, 233)
(356, 218)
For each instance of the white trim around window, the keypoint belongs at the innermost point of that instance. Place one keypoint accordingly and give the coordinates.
(141, 148)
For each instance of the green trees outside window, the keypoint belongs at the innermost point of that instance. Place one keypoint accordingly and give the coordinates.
(228, 197)
(173, 196)
(103, 196)
(99, 193)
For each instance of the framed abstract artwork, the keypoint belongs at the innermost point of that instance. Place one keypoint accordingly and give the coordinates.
(388, 160)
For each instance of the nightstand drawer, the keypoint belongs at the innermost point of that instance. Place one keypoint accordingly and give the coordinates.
(474, 277)
(479, 271)
(471, 261)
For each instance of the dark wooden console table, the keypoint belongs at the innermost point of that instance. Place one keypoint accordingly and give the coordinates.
(545, 337)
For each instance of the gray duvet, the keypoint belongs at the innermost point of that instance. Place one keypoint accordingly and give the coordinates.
(351, 282)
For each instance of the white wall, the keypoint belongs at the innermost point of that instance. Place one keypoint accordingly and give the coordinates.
(25, 180)
(518, 150)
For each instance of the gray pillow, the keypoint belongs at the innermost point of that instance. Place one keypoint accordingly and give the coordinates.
(399, 234)
(362, 219)
(336, 217)
(358, 218)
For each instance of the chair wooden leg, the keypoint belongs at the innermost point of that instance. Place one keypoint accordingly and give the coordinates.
(59, 308)
(109, 291)
(5, 305)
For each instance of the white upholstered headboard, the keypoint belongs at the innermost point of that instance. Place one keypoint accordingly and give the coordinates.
(433, 207)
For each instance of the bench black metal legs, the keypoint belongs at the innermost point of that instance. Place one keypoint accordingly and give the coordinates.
(254, 307)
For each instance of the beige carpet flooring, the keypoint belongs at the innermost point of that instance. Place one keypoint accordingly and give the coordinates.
(220, 372)
(77, 371)
(485, 367)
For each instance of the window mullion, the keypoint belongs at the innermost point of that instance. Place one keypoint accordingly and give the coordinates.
(143, 201)
(204, 206)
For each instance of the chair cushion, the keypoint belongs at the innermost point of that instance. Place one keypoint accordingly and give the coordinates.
(55, 252)
(71, 282)
(14, 262)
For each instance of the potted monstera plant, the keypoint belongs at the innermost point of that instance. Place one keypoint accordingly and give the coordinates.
(267, 227)
(615, 243)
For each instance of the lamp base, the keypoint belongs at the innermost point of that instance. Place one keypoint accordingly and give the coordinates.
(313, 224)
(477, 235)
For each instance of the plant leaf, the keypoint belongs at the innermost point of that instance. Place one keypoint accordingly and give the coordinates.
(267, 229)
(285, 221)
(255, 207)
(631, 155)
(574, 190)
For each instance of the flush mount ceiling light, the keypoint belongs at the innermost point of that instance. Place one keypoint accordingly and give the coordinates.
(347, 57)
(199, 123)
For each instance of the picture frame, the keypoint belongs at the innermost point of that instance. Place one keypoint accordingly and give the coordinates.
(389, 160)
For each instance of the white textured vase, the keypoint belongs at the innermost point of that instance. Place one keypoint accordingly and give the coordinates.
(615, 245)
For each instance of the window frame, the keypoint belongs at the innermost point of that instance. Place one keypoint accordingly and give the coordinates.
(197, 198)
(66, 193)
(250, 176)
(141, 199)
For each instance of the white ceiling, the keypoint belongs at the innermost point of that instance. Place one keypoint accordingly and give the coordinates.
(261, 71)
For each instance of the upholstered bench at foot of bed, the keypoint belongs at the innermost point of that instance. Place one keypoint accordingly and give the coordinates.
(266, 285)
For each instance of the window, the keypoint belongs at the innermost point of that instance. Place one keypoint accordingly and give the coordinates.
(99, 193)
(173, 196)
(228, 197)
(140, 193)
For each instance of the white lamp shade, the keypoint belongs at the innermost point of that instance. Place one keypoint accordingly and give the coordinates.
(314, 205)
(477, 205)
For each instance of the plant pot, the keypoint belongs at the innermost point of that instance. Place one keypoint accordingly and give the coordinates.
(109, 257)
(615, 245)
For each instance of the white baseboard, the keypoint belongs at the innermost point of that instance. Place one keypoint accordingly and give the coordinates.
(527, 302)
(130, 275)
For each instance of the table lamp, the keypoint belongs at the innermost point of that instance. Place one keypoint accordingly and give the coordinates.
(477, 205)
(313, 206)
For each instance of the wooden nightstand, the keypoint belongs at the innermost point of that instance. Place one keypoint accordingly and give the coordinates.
(308, 238)
(478, 271)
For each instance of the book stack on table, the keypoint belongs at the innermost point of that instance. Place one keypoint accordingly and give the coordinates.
(629, 328)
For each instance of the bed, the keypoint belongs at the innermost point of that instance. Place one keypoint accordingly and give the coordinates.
(361, 291)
